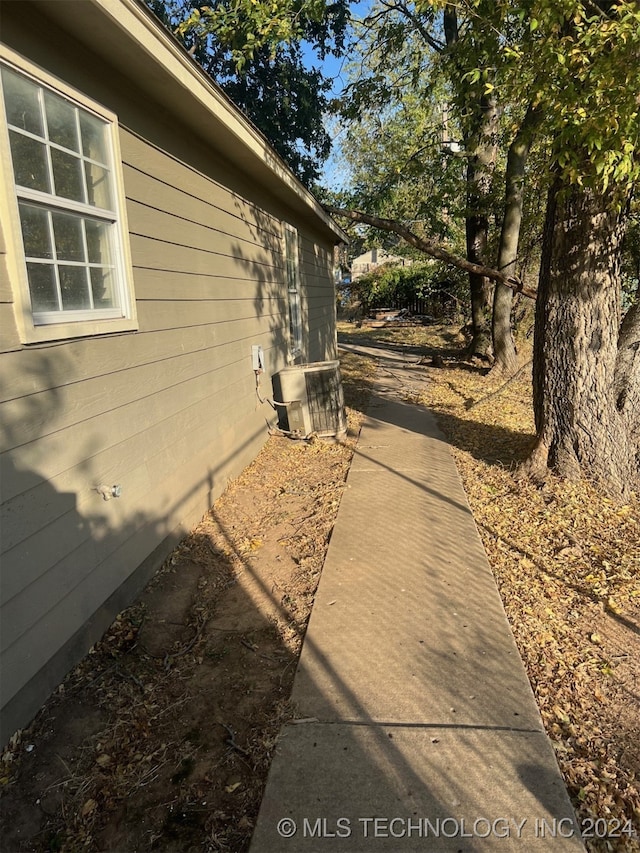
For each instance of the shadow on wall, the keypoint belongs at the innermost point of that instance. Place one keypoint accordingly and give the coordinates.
(69, 557)
(70, 560)
(60, 546)
(272, 299)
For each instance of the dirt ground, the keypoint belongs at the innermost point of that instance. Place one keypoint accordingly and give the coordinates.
(162, 737)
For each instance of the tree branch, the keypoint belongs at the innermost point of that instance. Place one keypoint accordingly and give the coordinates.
(413, 18)
(432, 248)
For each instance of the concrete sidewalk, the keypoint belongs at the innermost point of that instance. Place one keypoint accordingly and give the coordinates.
(417, 728)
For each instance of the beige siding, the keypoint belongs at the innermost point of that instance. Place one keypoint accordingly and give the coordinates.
(103, 548)
(169, 412)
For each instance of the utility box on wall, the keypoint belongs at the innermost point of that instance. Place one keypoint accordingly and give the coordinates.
(314, 399)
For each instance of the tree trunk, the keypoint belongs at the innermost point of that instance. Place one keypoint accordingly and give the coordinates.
(582, 425)
(627, 376)
(482, 148)
(480, 288)
(506, 359)
(504, 349)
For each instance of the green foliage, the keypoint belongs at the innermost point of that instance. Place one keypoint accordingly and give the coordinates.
(394, 109)
(399, 169)
(253, 50)
(246, 26)
(391, 285)
(593, 53)
(578, 61)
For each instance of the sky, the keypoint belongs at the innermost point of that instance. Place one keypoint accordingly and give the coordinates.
(334, 174)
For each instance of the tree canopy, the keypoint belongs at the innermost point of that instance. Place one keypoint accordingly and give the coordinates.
(254, 50)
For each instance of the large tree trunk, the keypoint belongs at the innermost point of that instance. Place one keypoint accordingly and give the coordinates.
(583, 425)
(504, 351)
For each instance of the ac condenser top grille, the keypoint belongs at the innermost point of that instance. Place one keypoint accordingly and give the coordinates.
(313, 394)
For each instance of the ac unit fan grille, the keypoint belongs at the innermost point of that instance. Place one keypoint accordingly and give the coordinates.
(323, 399)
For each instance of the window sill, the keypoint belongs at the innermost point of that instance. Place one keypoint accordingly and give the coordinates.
(68, 331)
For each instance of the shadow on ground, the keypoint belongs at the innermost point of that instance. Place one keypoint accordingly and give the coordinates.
(487, 442)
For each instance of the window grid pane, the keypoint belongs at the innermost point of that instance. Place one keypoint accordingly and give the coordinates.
(78, 254)
(61, 150)
(68, 178)
(44, 288)
(94, 145)
(63, 167)
(30, 162)
(98, 185)
(36, 234)
(23, 103)
(102, 287)
(62, 127)
(74, 287)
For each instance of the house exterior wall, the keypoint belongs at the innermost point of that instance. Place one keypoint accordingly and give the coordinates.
(169, 411)
(372, 259)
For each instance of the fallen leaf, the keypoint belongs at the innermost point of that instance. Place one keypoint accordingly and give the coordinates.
(89, 807)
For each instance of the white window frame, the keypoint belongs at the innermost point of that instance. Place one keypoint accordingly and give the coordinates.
(292, 280)
(35, 327)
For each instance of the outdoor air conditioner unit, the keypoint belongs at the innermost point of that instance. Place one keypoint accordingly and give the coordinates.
(310, 400)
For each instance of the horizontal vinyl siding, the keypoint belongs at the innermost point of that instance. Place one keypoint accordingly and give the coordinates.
(51, 370)
(169, 412)
(113, 443)
(108, 561)
(89, 545)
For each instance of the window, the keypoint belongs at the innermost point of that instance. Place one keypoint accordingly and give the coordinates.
(67, 204)
(292, 271)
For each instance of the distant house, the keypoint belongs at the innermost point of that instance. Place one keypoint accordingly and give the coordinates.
(372, 259)
(149, 238)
